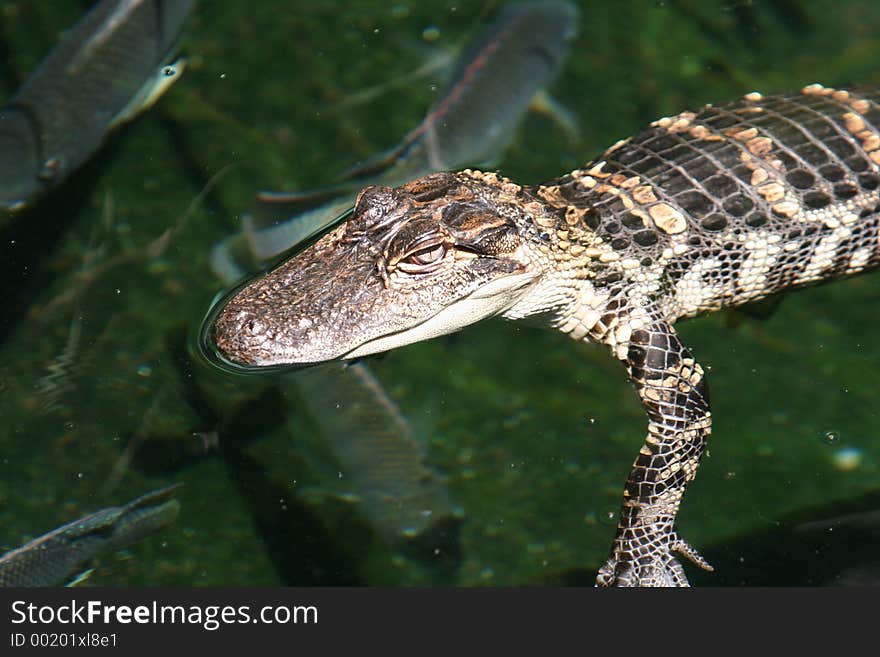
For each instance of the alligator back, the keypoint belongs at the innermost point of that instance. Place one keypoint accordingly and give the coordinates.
(737, 201)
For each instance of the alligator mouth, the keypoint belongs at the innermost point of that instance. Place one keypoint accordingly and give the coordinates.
(486, 301)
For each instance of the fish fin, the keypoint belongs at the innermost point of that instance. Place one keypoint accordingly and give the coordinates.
(438, 65)
(268, 239)
(375, 166)
(79, 579)
(543, 103)
(316, 495)
(299, 201)
(153, 498)
(231, 259)
(143, 516)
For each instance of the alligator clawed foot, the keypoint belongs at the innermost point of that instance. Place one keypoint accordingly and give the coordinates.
(637, 564)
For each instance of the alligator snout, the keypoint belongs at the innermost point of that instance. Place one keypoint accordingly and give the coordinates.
(238, 334)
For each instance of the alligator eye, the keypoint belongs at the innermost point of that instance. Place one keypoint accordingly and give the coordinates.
(423, 260)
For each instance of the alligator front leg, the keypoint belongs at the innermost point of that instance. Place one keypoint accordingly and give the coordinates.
(673, 391)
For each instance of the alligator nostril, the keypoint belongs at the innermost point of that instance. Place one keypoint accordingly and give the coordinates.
(234, 326)
(253, 325)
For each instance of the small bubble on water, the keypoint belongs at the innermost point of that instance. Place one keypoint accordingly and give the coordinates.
(431, 33)
(608, 517)
(70, 426)
(831, 437)
(144, 370)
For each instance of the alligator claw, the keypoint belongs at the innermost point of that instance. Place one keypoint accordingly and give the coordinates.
(656, 567)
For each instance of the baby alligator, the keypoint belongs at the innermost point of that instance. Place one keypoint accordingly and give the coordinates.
(700, 211)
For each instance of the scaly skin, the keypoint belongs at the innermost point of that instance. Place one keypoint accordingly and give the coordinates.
(698, 212)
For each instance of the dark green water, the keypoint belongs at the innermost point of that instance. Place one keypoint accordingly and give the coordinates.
(534, 432)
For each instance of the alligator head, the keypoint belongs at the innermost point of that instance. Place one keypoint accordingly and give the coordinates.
(411, 263)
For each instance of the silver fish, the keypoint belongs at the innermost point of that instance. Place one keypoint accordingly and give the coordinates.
(111, 65)
(382, 464)
(53, 558)
(521, 51)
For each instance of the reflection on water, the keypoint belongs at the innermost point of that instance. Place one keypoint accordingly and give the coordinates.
(105, 279)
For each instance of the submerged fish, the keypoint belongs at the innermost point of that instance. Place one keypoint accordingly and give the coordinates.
(111, 65)
(382, 464)
(521, 51)
(53, 558)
